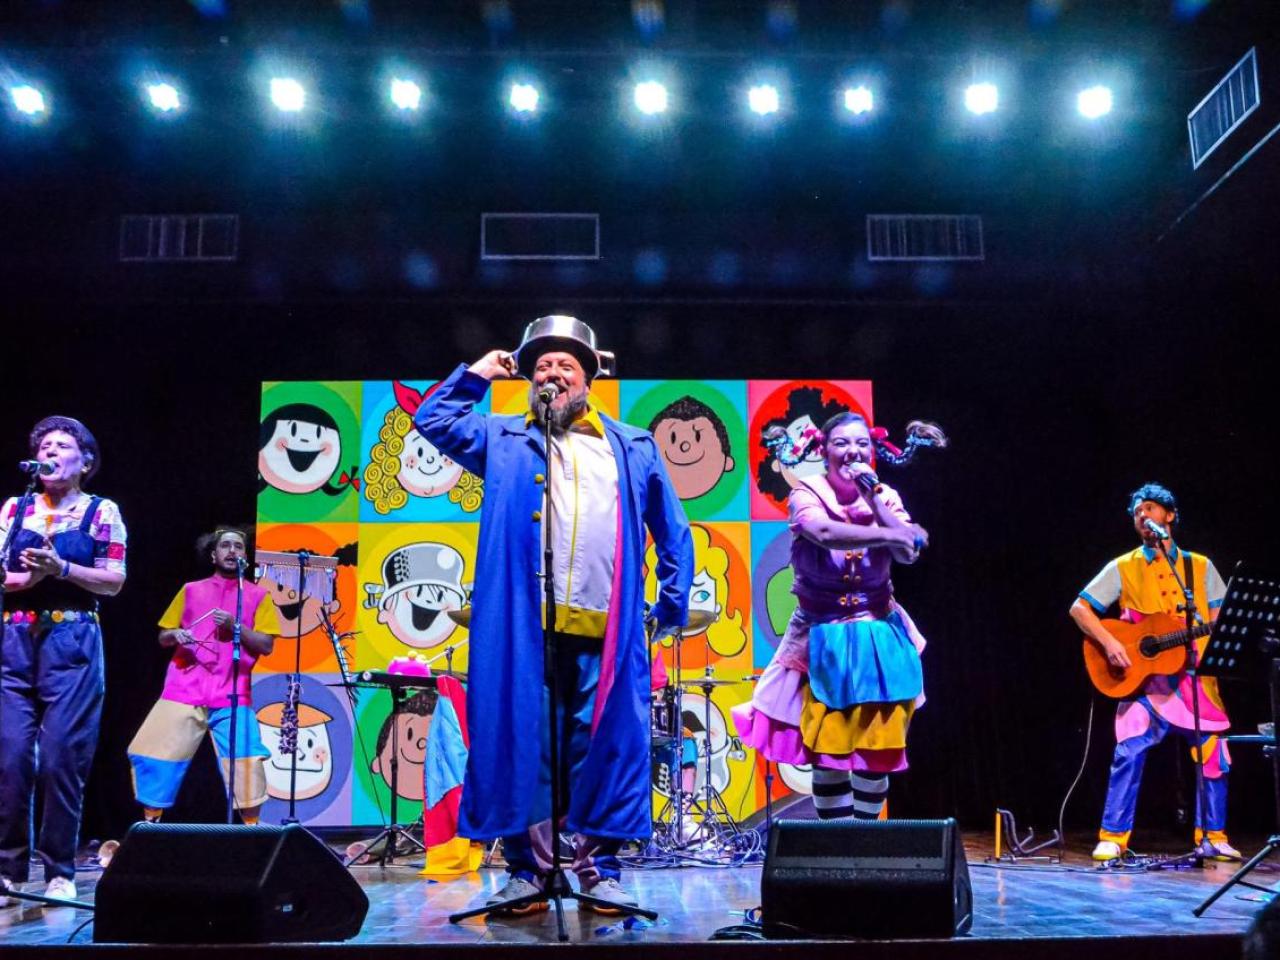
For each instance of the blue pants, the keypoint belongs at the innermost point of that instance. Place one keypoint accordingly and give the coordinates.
(1126, 777)
(50, 705)
(529, 854)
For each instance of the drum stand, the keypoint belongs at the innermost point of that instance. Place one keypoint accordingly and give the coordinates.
(717, 828)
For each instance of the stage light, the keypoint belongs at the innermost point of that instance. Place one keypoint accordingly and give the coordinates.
(1094, 102)
(763, 99)
(405, 94)
(164, 97)
(524, 98)
(288, 94)
(28, 100)
(651, 97)
(981, 98)
(858, 100)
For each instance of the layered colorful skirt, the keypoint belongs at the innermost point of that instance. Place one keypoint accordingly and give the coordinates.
(838, 694)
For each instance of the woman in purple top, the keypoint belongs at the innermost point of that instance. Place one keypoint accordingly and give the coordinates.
(843, 683)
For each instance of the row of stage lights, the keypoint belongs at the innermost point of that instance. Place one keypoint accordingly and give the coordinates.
(650, 97)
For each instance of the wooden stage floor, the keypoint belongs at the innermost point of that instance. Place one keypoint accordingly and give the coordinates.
(1033, 910)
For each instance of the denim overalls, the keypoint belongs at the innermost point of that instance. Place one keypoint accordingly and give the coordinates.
(51, 688)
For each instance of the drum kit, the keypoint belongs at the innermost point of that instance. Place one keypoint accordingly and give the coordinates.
(694, 821)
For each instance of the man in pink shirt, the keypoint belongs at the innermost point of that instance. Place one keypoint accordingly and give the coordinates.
(197, 687)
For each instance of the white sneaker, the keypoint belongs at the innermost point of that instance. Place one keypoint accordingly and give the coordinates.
(60, 888)
(1225, 852)
(1107, 850)
(515, 889)
(5, 886)
(610, 890)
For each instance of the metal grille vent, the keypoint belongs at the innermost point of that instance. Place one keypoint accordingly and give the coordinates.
(924, 237)
(186, 237)
(1224, 108)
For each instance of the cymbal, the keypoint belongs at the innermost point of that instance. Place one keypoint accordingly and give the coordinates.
(699, 620)
(461, 617)
(708, 682)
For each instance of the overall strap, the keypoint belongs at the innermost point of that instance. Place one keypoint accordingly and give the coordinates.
(90, 512)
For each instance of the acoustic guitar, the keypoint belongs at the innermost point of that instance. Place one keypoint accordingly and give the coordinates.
(1157, 647)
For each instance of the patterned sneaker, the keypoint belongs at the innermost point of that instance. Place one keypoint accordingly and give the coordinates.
(611, 890)
(5, 886)
(61, 888)
(515, 889)
(1107, 850)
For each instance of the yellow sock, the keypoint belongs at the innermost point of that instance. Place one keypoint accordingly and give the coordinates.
(152, 814)
(249, 819)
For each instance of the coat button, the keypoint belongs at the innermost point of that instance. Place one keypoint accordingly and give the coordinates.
(538, 478)
(537, 515)
(848, 555)
(846, 576)
(857, 579)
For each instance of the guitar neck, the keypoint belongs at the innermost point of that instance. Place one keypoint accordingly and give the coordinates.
(1179, 638)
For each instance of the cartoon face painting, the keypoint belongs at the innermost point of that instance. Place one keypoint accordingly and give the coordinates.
(295, 613)
(722, 746)
(421, 582)
(424, 470)
(299, 448)
(709, 592)
(807, 409)
(409, 738)
(314, 753)
(403, 463)
(694, 445)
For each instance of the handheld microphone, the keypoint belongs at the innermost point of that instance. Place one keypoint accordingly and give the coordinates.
(33, 468)
(548, 392)
(1158, 531)
(867, 481)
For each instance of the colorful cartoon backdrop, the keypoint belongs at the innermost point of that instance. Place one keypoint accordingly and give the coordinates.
(391, 524)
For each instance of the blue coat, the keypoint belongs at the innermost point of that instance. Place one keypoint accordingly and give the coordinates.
(610, 796)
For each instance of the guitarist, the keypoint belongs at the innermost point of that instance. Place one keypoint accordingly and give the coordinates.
(1141, 583)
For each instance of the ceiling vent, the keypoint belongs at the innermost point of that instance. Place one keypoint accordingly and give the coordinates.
(1225, 108)
(924, 236)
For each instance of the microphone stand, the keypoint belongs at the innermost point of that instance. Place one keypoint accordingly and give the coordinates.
(295, 683)
(1204, 848)
(556, 888)
(235, 688)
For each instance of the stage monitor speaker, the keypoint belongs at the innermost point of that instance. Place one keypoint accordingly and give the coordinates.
(883, 879)
(198, 883)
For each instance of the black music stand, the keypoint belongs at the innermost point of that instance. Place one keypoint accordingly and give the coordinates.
(390, 836)
(1245, 645)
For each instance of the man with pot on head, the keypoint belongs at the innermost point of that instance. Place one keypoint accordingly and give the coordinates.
(607, 487)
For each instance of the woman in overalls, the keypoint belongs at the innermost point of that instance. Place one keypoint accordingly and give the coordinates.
(68, 550)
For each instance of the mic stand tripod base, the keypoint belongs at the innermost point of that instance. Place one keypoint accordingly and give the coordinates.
(555, 891)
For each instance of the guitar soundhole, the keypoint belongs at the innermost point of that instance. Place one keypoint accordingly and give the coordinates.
(1147, 646)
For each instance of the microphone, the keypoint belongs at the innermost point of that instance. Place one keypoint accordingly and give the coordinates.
(240, 564)
(33, 468)
(547, 393)
(1158, 531)
(867, 481)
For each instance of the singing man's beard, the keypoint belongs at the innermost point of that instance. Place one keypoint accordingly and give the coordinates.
(561, 417)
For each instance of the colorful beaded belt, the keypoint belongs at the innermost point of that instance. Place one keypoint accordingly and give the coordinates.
(46, 617)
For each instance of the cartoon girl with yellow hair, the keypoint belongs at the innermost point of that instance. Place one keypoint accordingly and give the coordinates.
(710, 592)
(404, 463)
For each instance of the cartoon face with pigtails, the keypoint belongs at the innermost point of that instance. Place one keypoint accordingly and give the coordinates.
(300, 451)
(403, 463)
